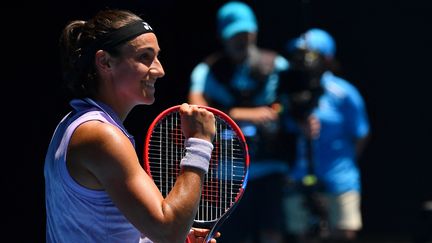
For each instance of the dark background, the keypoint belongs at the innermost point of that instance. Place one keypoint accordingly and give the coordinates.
(384, 48)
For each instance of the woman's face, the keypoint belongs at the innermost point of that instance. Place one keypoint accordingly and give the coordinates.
(135, 72)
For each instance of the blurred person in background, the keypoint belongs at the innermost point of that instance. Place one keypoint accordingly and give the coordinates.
(328, 114)
(241, 80)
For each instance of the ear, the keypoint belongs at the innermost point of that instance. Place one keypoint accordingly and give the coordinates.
(102, 61)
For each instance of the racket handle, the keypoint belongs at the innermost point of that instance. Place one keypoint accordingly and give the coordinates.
(209, 236)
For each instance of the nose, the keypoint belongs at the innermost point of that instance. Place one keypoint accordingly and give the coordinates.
(156, 69)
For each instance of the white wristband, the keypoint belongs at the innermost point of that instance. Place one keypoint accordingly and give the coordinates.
(198, 153)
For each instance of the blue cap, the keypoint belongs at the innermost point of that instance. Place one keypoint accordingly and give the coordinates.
(235, 17)
(316, 40)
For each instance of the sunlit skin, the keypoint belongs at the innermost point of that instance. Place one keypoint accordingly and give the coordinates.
(198, 235)
(101, 157)
(131, 77)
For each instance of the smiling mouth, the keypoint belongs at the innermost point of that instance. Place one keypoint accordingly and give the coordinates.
(149, 85)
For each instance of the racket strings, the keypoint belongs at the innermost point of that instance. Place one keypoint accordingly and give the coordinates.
(225, 178)
(166, 149)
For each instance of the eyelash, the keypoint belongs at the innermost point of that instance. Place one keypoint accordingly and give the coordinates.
(145, 56)
(148, 58)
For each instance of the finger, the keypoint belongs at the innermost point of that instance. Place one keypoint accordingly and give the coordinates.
(201, 232)
(184, 108)
(196, 110)
(199, 239)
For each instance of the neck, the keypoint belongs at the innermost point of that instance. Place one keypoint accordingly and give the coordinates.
(121, 108)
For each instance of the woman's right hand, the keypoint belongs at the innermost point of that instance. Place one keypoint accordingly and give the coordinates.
(197, 122)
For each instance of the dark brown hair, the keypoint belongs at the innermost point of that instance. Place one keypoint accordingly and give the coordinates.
(79, 72)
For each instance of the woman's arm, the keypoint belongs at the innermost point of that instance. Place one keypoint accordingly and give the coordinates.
(102, 157)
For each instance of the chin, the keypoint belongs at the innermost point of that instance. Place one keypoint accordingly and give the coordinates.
(148, 101)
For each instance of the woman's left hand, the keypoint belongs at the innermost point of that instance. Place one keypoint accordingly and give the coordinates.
(197, 235)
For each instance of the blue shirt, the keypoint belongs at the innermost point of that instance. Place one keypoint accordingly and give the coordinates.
(342, 114)
(203, 81)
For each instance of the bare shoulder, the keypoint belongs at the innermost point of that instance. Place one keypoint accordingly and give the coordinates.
(100, 150)
(96, 133)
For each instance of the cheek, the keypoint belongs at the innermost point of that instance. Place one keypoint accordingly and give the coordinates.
(129, 73)
(139, 71)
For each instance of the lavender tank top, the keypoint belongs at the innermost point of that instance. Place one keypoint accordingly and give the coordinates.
(75, 213)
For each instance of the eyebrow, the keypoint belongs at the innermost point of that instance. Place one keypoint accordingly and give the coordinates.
(151, 49)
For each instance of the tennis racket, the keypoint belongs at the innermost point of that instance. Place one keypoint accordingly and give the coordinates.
(226, 178)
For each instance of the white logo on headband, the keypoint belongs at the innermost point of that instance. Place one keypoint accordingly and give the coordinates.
(147, 26)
